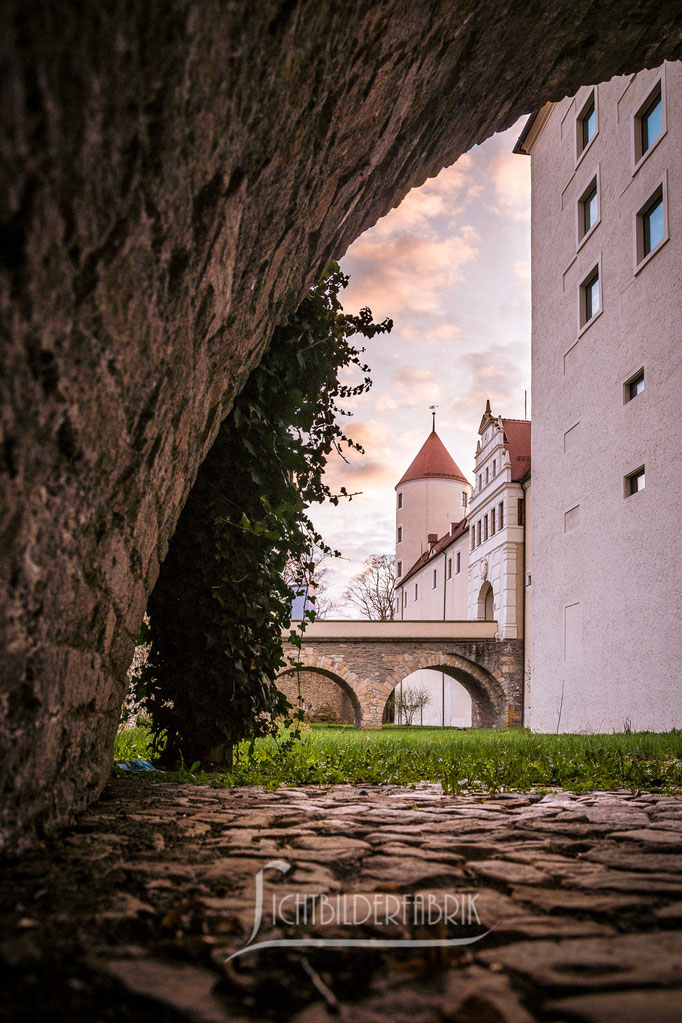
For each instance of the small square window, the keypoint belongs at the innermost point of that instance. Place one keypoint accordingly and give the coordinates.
(400, 534)
(634, 482)
(590, 297)
(400, 500)
(633, 386)
(588, 209)
(586, 125)
(459, 563)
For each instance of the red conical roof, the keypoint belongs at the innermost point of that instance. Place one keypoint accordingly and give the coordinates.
(433, 460)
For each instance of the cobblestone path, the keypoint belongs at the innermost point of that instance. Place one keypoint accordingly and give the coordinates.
(132, 914)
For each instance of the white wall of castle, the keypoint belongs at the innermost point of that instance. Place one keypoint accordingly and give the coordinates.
(606, 567)
(496, 550)
(428, 506)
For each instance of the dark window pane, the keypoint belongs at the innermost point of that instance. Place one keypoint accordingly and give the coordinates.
(637, 386)
(590, 209)
(589, 124)
(653, 226)
(652, 123)
(591, 297)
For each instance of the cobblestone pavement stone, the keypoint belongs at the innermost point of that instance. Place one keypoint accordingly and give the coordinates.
(132, 914)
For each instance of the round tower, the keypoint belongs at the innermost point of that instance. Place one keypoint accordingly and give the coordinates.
(433, 493)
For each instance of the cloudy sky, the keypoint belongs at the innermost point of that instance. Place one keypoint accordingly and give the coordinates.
(451, 266)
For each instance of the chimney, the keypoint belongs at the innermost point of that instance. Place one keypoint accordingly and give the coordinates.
(453, 527)
(433, 540)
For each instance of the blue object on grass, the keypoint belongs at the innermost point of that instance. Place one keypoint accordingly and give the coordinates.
(135, 766)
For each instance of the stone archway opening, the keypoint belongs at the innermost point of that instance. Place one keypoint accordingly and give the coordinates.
(485, 606)
(448, 703)
(488, 702)
(327, 697)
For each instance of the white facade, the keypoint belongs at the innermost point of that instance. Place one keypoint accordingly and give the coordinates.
(449, 575)
(606, 558)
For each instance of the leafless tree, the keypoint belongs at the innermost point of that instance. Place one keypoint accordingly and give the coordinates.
(409, 700)
(317, 581)
(372, 591)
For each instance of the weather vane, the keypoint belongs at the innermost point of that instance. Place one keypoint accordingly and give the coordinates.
(433, 413)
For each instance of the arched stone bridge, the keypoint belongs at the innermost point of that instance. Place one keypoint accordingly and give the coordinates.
(369, 659)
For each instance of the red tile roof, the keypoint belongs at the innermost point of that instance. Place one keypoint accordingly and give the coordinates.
(433, 460)
(517, 443)
(437, 548)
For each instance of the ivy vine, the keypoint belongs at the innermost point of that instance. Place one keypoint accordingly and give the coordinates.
(221, 604)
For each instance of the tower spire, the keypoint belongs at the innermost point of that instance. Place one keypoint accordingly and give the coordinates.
(433, 414)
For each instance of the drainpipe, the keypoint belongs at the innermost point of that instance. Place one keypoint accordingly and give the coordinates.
(442, 674)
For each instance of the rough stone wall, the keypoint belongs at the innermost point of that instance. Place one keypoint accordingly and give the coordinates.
(175, 173)
(490, 670)
(323, 700)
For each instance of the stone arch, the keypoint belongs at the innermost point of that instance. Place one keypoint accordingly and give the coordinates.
(485, 605)
(488, 700)
(327, 667)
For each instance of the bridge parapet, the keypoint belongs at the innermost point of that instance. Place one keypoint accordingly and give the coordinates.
(405, 631)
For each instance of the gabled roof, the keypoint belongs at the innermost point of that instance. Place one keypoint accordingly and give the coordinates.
(444, 542)
(433, 460)
(517, 443)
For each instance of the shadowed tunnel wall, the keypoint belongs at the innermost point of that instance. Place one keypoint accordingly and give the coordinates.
(175, 174)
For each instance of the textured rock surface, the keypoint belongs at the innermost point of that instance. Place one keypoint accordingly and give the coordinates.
(133, 914)
(174, 175)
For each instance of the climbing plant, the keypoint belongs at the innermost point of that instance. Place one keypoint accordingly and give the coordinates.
(221, 603)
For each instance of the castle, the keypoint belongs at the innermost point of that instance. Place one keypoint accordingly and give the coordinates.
(585, 567)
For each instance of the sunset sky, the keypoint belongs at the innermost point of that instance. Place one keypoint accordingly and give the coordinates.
(451, 266)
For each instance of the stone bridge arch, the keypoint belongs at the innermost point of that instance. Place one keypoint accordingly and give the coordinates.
(324, 666)
(488, 699)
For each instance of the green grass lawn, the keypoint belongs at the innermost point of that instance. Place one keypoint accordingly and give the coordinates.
(463, 760)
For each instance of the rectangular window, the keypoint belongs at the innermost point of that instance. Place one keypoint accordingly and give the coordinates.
(449, 568)
(590, 297)
(473, 537)
(478, 533)
(588, 209)
(519, 511)
(459, 563)
(416, 590)
(487, 477)
(492, 522)
(572, 519)
(400, 500)
(397, 604)
(400, 569)
(494, 467)
(633, 386)
(480, 481)
(501, 514)
(400, 534)
(650, 226)
(634, 482)
(586, 124)
(435, 579)
(651, 120)
(485, 527)
(404, 598)
(464, 499)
